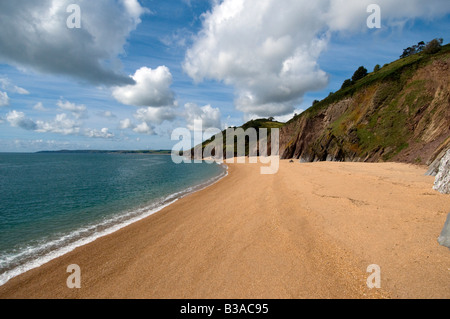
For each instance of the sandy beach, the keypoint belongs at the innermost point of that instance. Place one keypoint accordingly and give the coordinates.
(309, 231)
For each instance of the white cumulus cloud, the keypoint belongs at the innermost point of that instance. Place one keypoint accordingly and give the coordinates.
(18, 119)
(268, 50)
(144, 128)
(34, 35)
(62, 124)
(79, 111)
(209, 117)
(103, 133)
(155, 115)
(151, 88)
(126, 124)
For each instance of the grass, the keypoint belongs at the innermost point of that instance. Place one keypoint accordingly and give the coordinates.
(395, 73)
(253, 124)
(393, 101)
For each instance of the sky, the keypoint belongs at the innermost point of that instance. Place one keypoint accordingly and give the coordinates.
(124, 74)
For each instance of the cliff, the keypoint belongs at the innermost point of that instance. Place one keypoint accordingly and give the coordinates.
(398, 113)
(401, 113)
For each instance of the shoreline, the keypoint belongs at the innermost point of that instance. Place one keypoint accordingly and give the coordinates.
(309, 231)
(143, 213)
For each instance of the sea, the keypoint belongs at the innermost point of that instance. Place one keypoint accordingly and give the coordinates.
(52, 203)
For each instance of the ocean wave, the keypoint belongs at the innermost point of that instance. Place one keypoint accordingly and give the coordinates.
(34, 256)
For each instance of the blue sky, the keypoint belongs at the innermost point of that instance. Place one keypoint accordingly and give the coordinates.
(189, 60)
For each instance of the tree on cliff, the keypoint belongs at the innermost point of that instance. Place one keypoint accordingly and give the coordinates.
(434, 46)
(346, 84)
(359, 74)
(431, 47)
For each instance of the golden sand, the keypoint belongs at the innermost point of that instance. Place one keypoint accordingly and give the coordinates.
(309, 231)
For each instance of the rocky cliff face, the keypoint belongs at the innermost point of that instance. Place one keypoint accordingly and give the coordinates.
(400, 113)
(442, 181)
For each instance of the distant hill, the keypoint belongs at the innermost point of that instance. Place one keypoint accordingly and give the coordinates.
(151, 152)
(257, 124)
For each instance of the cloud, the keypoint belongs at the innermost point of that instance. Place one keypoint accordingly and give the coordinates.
(259, 50)
(135, 10)
(79, 111)
(40, 107)
(6, 85)
(39, 145)
(34, 35)
(155, 115)
(103, 133)
(62, 124)
(287, 117)
(144, 128)
(152, 88)
(180, 38)
(4, 99)
(149, 117)
(126, 124)
(269, 51)
(351, 15)
(18, 119)
(107, 115)
(210, 117)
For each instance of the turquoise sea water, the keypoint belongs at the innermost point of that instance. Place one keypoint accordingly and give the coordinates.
(53, 203)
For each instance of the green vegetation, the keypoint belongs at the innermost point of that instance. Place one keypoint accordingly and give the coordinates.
(432, 47)
(262, 123)
(381, 113)
(386, 106)
(395, 73)
(359, 74)
(257, 124)
(347, 83)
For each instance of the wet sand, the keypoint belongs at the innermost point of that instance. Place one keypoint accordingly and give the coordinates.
(309, 231)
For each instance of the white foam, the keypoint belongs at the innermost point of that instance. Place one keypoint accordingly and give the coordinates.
(140, 213)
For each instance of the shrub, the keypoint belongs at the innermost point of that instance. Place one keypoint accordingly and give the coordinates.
(346, 84)
(434, 46)
(359, 74)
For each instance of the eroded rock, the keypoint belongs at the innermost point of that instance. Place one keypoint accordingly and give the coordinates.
(442, 181)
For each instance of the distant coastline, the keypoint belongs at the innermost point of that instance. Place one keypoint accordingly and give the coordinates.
(107, 192)
(149, 152)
